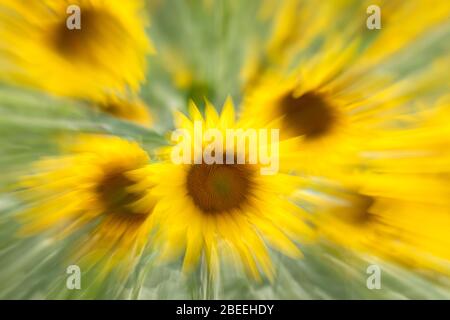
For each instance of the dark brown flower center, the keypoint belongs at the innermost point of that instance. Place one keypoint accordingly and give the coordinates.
(81, 44)
(359, 212)
(308, 115)
(113, 193)
(218, 188)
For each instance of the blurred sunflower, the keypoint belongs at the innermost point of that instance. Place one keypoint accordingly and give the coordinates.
(313, 124)
(399, 206)
(397, 225)
(91, 187)
(107, 55)
(328, 104)
(224, 210)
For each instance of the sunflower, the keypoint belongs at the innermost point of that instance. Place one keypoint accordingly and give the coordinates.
(314, 124)
(309, 104)
(224, 211)
(91, 187)
(399, 206)
(332, 121)
(375, 219)
(107, 55)
(328, 104)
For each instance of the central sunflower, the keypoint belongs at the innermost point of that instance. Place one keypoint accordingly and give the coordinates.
(216, 188)
(231, 209)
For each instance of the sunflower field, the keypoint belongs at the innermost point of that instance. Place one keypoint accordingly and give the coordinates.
(354, 92)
